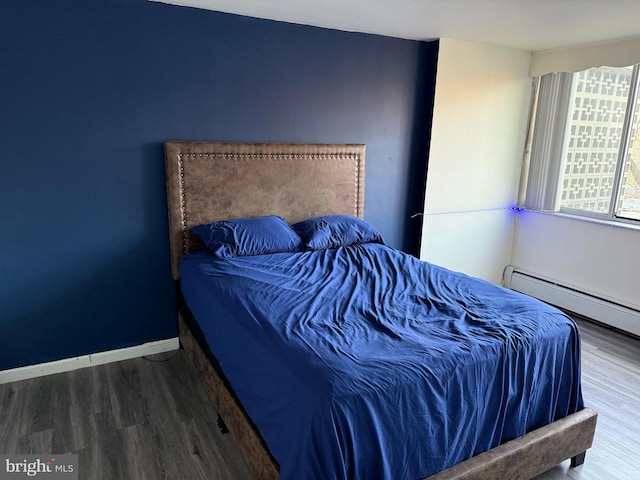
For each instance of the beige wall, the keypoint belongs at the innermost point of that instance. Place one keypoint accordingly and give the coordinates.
(478, 134)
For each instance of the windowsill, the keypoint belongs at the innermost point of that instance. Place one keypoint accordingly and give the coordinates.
(578, 218)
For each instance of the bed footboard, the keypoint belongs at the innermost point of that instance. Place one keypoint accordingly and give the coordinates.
(532, 454)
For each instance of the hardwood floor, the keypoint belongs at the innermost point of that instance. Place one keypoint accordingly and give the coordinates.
(611, 386)
(142, 419)
(136, 419)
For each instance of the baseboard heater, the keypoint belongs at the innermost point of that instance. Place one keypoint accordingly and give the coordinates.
(604, 310)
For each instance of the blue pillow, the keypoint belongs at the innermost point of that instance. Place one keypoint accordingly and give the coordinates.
(248, 236)
(333, 231)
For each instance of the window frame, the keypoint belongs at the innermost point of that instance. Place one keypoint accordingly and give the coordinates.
(547, 145)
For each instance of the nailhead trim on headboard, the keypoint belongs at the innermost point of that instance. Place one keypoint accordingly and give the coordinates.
(254, 156)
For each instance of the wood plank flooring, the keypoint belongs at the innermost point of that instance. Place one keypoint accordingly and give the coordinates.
(142, 419)
(136, 419)
(611, 386)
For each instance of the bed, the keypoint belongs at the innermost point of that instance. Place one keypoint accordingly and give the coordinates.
(305, 377)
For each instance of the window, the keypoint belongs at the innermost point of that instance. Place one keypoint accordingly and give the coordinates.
(585, 149)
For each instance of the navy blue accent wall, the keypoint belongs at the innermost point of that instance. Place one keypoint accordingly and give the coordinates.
(89, 90)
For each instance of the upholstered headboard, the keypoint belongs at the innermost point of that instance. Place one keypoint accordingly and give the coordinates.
(211, 181)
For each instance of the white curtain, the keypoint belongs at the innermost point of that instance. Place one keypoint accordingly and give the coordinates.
(618, 53)
(548, 146)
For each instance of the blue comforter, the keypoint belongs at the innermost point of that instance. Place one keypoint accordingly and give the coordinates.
(365, 363)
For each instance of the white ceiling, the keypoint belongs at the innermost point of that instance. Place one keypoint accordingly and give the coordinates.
(525, 24)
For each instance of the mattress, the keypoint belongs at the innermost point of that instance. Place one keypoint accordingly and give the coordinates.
(364, 362)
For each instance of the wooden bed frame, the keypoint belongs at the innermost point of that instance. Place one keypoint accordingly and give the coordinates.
(210, 181)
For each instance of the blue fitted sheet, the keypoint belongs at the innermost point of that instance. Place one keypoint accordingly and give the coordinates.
(363, 362)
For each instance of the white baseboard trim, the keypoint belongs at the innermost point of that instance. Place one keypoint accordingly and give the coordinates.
(100, 358)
